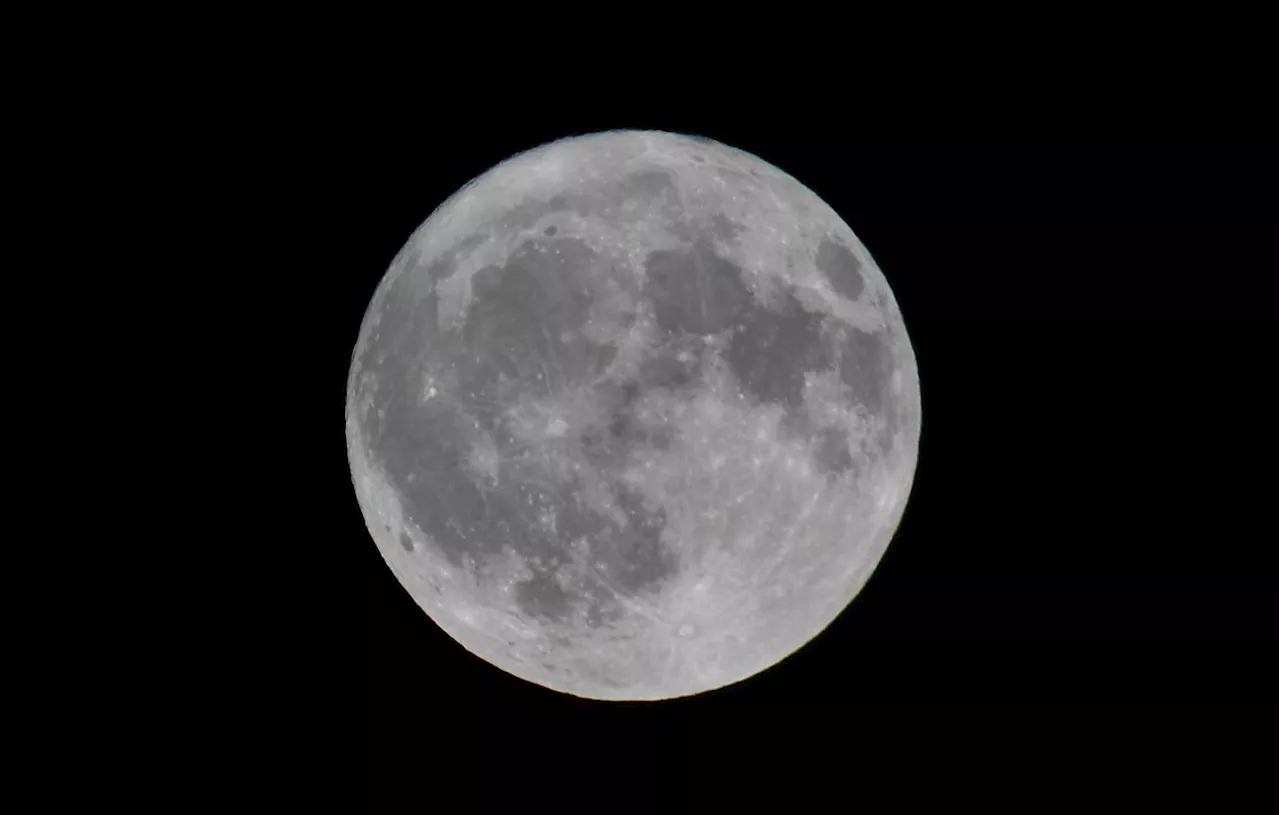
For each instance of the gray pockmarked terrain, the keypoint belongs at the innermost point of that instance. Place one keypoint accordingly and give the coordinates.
(633, 415)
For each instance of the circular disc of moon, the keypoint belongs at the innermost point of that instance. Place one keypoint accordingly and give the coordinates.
(633, 415)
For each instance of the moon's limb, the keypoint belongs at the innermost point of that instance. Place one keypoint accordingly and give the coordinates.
(633, 415)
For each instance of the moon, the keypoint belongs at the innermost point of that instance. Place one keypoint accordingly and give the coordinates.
(633, 415)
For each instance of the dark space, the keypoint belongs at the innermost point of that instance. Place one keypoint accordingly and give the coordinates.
(1084, 574)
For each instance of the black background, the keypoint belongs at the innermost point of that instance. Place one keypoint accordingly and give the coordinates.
(1080, 592)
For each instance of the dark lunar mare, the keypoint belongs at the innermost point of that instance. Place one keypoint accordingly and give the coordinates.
(772, 344)
(841, 268)
(525, 319)
(867, 363)
(867, 359)
(831, 451)
(773, 349)
(694, 290)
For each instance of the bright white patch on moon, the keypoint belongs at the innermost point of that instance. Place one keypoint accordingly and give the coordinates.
(633, 415)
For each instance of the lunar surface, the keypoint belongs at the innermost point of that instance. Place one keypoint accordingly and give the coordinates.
(633, 415)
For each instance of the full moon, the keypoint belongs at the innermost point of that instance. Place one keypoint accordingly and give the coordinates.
(633, 415)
